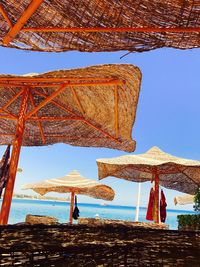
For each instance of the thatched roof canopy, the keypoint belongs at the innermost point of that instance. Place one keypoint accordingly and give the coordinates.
(174, 173)
(93, 106)
(44, 25)
(73, 182)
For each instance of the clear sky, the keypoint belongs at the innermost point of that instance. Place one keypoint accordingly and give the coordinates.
(167, 115)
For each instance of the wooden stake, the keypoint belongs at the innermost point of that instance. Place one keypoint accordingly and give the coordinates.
(71, 208)
(5, 208)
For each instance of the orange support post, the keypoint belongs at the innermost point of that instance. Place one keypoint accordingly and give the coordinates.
(156, 197)
(33, 6)
(5, 208)
(71, 208)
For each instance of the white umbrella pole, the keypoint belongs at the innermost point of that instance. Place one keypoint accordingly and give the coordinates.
(138, 203)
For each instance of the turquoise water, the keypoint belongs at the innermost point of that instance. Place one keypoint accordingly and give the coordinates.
(20, 208)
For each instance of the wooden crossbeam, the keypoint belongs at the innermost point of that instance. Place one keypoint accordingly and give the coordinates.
(56, 103)
(102, 131)
(37, 116)
(55, 79)
(47, 100)
(74, 137)
(75, 96)
(5, 15)
(11, 101)
(82, 119)
(48, 118)
(51, 84)
(5, 134)
(33, 6)
(115, 29)
(7, 117)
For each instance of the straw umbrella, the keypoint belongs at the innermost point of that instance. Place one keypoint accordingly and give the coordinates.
(73, 183)
(81, 107)
(183, 200)
(99, 25)
(154, 165)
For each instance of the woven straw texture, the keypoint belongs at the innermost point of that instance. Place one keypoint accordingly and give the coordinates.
(174, 173)
(73, 182)
(184, 200)
(97, 108)
(104, 13)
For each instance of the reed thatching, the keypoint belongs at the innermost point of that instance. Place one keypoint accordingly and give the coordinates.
(101, 14)
(73, 182)
(174, 173)
(96, 108)
(184, 200)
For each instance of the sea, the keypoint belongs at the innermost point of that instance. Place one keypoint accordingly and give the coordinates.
(21, 207)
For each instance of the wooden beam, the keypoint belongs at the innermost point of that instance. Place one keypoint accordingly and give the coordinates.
(33, 6)
(17, 143)
(5, 134)
(84, 120)
(116, 111)
(11, 101)
(51, 84)
(57, 104)
(48, 118)
(115, 29)
(8, 117)
(102, 131)
(47, 100)
(75, 137)
(54, 79)
(75, 96)
(39, 123)
(5, 15)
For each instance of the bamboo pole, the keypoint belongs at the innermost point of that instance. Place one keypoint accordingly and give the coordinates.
(5, 208)
(71, 208)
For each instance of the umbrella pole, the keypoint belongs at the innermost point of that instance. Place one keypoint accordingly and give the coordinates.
(138, 203)
(17, 143)
(71, 208)
(156, 197)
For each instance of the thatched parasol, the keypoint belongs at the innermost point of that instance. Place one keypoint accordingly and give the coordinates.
(93, 106)
(170, 171)
(73, 183)
(99, 25)
(183, 200)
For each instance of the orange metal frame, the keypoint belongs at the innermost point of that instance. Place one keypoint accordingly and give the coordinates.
(28, 86)
(35, 4)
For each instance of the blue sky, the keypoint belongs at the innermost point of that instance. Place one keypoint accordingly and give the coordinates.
(167, 115)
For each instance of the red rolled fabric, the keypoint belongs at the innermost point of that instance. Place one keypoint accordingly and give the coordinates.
(149, 214)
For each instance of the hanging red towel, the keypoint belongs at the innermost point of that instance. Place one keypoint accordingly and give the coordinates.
(149, 215)
(4, 168)
(163, 205)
